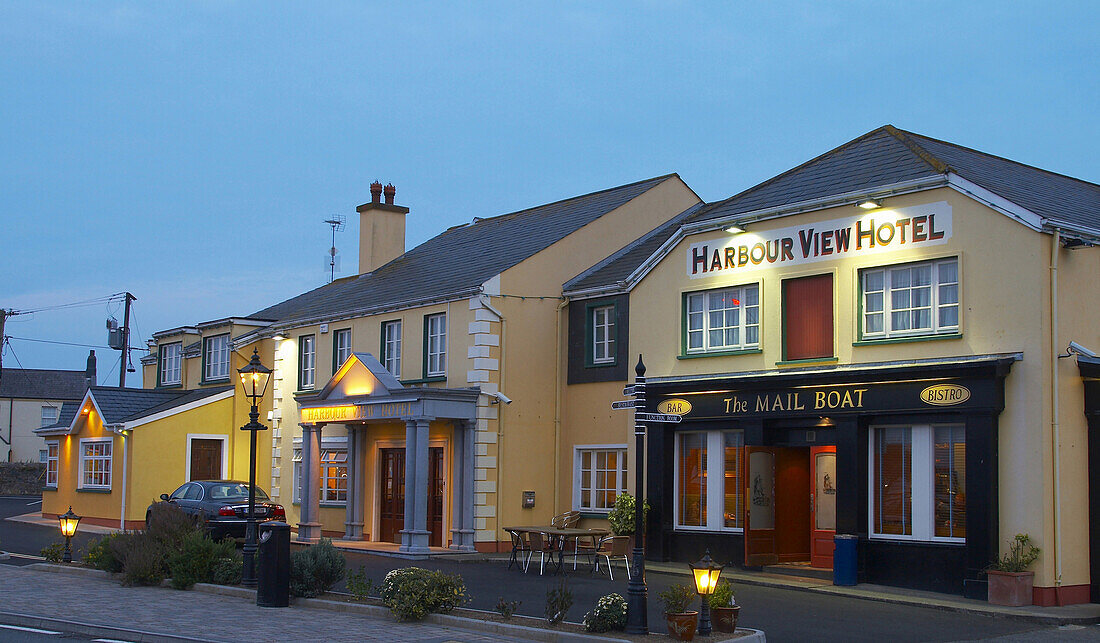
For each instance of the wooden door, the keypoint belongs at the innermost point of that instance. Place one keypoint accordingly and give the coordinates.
(206, 459)
(760, 545)
(822, 505)
(391, 519)
(436, 487)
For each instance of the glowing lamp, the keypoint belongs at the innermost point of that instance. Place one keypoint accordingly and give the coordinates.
(870, 204)
(706, 573)
(254, 377)
(735, 229)
(68, 522)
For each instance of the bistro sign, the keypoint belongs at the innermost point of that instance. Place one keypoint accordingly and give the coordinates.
(879, 231)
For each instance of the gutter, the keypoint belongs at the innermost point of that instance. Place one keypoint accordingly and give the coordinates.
(1054, 419)
(459, 295)
(557, 401)
(120, 430)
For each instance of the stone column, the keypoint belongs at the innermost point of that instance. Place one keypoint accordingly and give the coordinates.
(462, 475)
(414, 537)
(309, 525)
(353, 524)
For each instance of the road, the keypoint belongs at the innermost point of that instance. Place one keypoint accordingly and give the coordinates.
(24, 541)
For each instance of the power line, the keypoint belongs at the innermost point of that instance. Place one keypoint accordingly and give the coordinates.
(51, 341)
(76, 304)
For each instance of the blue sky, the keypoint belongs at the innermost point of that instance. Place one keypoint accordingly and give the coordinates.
(158, 147)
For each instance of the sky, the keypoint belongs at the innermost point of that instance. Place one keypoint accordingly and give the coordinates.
(190, 152)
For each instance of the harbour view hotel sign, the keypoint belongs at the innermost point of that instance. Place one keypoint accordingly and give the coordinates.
(357, 412)
(876, 232)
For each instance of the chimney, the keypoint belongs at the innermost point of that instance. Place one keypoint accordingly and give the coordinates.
(89, 371)
(381, 229)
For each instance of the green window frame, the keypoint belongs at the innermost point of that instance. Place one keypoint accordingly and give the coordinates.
(435, 346)
(307, 362)
(341, 349)
(162, 353)
(909, 300)
(390, 346)
(720, 321)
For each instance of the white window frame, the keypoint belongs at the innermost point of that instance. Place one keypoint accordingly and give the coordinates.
(934, 304)
(740, 293)
(923, 499)
(207, 436)
(391, 347)
(323, 491)
(307, 362)
(716, 492)
(215, 352)
(327, 444)
(603, 351)
(55, 414)
(342, 351)
(436, 348)
(622, 473)
(55, 446)
(84, 460)
(171, 364)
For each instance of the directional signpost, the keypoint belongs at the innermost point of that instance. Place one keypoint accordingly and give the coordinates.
(657, 417)
(624, 404)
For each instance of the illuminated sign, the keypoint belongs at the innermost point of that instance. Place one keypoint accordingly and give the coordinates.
(945, 395)
(675, 406)
(870, 233)
(357, 412)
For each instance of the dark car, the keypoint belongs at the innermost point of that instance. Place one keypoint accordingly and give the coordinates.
(221, 506)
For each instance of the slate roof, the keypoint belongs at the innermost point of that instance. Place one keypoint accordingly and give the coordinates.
(119, 405)
(42, 384)
(889, 155)
(456, 262)
(65, 417)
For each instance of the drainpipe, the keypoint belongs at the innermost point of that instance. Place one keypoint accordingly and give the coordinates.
(120, 430)
(500, 414)
(557, 400)
(1055, 437)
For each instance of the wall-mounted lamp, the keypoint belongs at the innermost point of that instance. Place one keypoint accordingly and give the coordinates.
(870, 204)
(735, 229)
(278, 337)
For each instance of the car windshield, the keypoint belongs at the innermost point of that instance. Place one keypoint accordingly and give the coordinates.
(233, 491)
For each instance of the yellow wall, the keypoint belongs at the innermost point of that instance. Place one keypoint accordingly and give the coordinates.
(97, 507)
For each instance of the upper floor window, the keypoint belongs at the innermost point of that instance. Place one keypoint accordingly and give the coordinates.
(808, 317)
(170, 371)
(603, 335)
(341, 347)
(50, 414)
(95, 463)
(914, 299)
(391, 347)
(723, 320)
(435, 349)
(307, 361)
(215, 355)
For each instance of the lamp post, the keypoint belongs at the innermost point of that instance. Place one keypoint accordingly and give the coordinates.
(254, 378)
(68, 522)
(706, 573)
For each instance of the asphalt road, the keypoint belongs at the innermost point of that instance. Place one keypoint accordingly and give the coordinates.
(22, 539)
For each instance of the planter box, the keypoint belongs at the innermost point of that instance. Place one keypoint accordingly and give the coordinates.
(1010, 588)
(724, 619)
(681, 627)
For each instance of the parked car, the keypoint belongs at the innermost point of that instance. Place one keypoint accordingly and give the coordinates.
(221, 506)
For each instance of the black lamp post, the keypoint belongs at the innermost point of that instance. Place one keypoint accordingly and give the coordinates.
(254, 378)
(706, 573)
(68, 522)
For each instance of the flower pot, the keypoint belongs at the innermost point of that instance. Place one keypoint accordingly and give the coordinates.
(1010, 588)
(724, 619)
(682, 626)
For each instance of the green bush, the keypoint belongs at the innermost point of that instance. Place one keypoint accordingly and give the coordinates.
(227, 571)
(412, 593)
(677, 598)
(507, 608)
(168, 525)
(100, 555)
(315, 569)
(1021, 553)
(722, 596)
(609, 614)
(194, 561)
(358, 585)
(53, 552)
(558, 602)
(142, 559)
(621, 517)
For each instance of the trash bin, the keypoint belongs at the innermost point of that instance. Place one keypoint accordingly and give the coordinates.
(273, 579)
(844, 559)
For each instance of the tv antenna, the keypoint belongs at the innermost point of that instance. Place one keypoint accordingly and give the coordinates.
(337, 224)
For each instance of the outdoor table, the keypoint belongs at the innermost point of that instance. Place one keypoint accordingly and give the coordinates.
(562, 535)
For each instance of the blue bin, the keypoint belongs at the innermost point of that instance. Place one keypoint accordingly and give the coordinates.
(844, 559)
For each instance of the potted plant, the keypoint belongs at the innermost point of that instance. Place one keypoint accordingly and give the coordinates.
(723, 607)
(681, 622)
(1009, 582)
(621, 516)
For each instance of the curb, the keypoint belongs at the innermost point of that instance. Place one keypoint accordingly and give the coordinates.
(89, 629)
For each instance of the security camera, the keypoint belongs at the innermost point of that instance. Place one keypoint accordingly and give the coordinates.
(1074, 347)
(499, 397)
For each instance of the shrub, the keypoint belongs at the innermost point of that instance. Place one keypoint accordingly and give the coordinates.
(53, 552)
(507, 608)
(315, 569)
(677, 598)
(1021, 553)
(142, 559)
(722, 595)
(359, 586)
(558, 602)
(227, 571)
(194, 561)
(609, 614)
(621, 517)
(412, 593)
(101, 555)
(168, 525)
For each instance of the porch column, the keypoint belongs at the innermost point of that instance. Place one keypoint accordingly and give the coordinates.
(353, 524)
(462, 487)
(414, 537)
(309, 525)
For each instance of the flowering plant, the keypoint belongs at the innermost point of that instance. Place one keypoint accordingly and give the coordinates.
(609, 614)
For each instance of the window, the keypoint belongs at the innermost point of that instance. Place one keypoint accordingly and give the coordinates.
(601, 476)
(170, 364)
(914, 299)
(51, 464)
(722, 320)
(435, 349)
(808, 317)
(297, 475)
(341, 347)
(391, 347)
(603, 335)
(95, 463)
(215, 356)
(334, 475)
(307, 361)
(710, 469)
(50, 414)
(918, 482)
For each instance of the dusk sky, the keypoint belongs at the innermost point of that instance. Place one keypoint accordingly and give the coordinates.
(189, 152)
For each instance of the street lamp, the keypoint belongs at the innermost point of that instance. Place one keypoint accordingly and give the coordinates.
(68, 521)
(706, 573)
(254, 378)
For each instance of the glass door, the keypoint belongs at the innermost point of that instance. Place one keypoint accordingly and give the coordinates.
(760, 545)
(822, 505)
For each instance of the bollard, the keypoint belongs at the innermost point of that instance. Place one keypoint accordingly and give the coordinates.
(273, 583)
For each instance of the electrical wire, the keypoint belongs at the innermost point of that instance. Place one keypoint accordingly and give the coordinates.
(23, 369)
(76, 304)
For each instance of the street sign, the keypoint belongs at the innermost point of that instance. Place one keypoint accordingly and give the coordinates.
(657, 417)
(624, 404)
(628, 389)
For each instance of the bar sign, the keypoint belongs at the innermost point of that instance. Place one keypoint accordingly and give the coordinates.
(624, 404)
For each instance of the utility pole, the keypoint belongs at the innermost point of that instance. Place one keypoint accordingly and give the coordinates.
(3, 338)
(125, 342)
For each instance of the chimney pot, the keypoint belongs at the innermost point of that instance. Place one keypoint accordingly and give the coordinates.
(390, 192)
(376, 192)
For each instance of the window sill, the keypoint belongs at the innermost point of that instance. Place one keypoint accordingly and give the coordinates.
(334, 504)
(707, 530)
(220, 380)
(172, 385)
(49, 488)
(600, 364)
(812, 361)
(90, 490)
(426, 380)
(746, 351)
(593, 513)
(906, 340)
(886, 538)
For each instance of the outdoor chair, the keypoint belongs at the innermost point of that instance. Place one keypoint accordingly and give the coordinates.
(520, 550)
(541, 545)
(566, 520)
(615, 547)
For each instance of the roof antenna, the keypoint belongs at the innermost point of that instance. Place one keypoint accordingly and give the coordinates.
(337, 224)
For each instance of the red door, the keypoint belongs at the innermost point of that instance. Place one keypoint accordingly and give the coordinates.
(760, 545)
(822, 505)
(392, 515)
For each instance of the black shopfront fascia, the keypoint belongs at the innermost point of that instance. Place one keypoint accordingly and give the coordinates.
(1090, 376)
(838, 408)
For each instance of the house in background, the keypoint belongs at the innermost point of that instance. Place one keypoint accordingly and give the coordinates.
(31, 398)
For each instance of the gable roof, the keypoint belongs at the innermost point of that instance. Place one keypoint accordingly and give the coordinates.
(42, 384)
(457, 262)
(119, 405)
